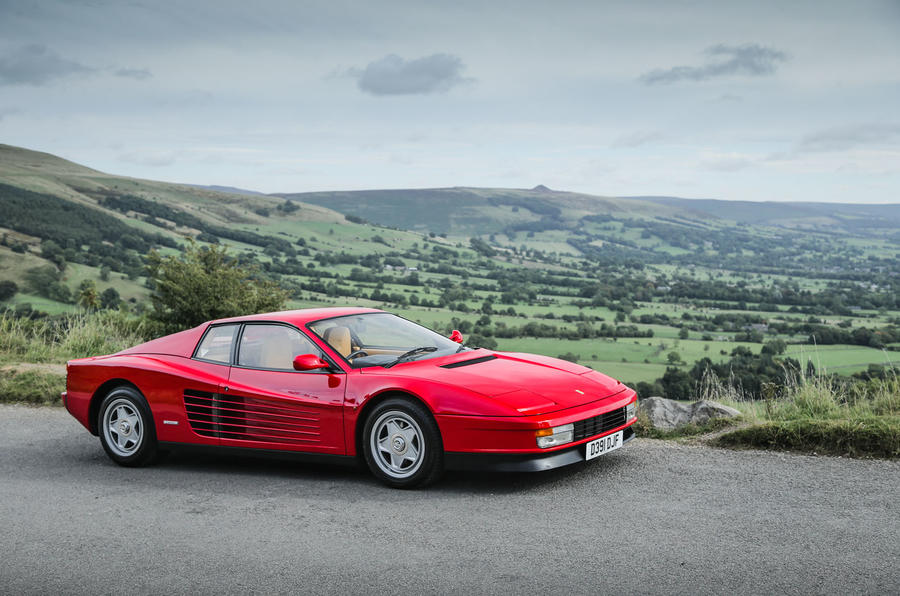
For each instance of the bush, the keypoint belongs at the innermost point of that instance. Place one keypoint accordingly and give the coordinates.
(203, 283)
(569, 356)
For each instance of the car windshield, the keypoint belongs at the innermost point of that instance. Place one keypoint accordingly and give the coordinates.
(381, 339)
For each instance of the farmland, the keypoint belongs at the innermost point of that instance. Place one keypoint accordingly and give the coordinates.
(634, 287)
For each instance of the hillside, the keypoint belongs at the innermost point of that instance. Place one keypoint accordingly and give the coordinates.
(48, 174)
(847, 218)
(638, 288)
(462, 211)
(763, 237)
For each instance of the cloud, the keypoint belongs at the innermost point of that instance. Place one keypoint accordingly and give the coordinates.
(193, 98)
(36, 65)
(4, 112)
(749, 59)
(393, 75)
(726, 163)
(138, 74)
(636, 139)
(847, 137)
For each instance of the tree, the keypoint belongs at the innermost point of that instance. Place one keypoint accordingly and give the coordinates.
(87, 295)
(51, 251)
(683, 333)
(776, 347)
(8, 289)
(481, 247)
(204, 283)
(110, 299)
(677, 384)
(46, 281)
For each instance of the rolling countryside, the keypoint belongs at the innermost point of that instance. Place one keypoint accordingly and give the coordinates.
(651, 290)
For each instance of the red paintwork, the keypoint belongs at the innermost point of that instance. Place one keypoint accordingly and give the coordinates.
(307, 362)
(493, 406)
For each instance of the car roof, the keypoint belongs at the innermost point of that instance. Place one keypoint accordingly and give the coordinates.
(302, 316)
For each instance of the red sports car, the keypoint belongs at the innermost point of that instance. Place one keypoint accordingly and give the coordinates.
(345, 383)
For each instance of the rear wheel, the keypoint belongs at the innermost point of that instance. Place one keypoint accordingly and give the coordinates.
(126, 429)
(402, 444)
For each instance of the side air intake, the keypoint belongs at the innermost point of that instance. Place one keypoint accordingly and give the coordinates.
(249, 419)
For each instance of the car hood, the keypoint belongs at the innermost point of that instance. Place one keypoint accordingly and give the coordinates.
(527, 383)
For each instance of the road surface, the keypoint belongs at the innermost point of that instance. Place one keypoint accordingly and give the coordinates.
(654, 517)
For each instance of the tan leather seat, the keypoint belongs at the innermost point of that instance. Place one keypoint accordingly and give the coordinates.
(339, 339)
(277, 352)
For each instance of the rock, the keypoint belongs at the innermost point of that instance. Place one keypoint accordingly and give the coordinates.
(669, 414)
(705, 410)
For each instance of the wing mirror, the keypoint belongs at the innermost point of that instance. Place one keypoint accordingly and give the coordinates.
(456, 336)
(309, 362)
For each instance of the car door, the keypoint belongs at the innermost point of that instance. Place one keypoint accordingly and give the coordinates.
(198, 387)
(269, 405)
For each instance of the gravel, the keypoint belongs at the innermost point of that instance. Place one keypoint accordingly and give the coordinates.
(653, 517)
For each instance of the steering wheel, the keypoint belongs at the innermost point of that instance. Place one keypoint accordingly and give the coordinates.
(356, 354)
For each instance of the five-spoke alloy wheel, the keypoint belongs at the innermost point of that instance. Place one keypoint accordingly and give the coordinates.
(125, 426)
(402, 444)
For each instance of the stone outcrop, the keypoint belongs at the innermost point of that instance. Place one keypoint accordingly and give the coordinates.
(669, 414)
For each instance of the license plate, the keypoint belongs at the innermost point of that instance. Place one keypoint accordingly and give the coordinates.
(598, 447)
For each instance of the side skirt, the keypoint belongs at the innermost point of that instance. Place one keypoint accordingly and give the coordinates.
(316, 458)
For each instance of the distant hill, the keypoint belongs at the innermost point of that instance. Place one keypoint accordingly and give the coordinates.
(101, 219)
(45, 173)
(466, 211)
(228, 189)
(844, 216)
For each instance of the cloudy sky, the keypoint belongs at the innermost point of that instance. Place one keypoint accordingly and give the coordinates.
(733, 100)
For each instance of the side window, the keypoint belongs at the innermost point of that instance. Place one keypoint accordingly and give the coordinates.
(273, 347)
(216, 344)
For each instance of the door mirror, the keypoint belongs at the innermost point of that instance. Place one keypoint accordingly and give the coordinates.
(456, 336)
(309, 362)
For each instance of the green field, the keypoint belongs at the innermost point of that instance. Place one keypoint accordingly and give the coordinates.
(537, 271)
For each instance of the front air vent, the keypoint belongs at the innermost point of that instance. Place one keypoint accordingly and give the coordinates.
(599, 424)
(468, 362)
(250, 419)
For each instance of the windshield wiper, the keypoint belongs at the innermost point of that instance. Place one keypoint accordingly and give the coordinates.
(410, 354)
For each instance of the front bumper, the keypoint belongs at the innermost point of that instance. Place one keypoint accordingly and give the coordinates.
(530, 462)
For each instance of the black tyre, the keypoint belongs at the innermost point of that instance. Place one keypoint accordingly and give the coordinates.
(402, 444)
(126, 430)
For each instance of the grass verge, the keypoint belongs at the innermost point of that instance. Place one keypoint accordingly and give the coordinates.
(644, 428)
(31, 387)
(72, 336)
(872, 437)
(824, 416)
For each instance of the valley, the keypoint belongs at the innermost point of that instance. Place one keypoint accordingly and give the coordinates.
(651, 290)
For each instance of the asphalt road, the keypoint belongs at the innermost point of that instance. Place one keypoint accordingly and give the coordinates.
(654, 517)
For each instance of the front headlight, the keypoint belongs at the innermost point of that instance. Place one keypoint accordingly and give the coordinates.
(553, 437)
(631, 410)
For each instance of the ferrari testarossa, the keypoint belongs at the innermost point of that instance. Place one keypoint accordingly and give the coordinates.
(343, 384)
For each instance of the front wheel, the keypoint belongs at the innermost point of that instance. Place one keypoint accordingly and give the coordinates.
(126, 428)
(402, 444)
